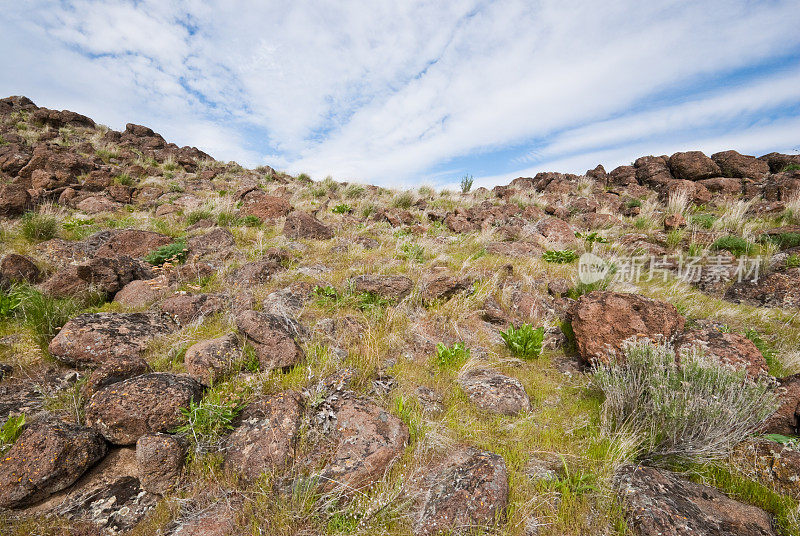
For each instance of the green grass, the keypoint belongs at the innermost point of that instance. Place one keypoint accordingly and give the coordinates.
(564, 256)
(209, 419)
(706, 221)
(38, 227)
(791, 167)
(10, 431)
(783, 240)
(123, 179)
(403, 200)
(42, 314)
(451, 357)
(524, 341)
(466, 183)
(173, 253)
(734, 244)
(342, 208)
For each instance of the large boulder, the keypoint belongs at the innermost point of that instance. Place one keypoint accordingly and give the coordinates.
(440, 284)
(48, 457)
(304, 225)
(272, 338)
(727, 349)
(107, 275)
(660, 503)
(602, 321)
(207, 361)
(132, 243)
(786, 419)
(693, 166)
(125, 411)
(495, 392)
(733, 164)
(394, 287)
(266, 437)
(470, 491)
(92, 339)
(369, 439)
(266, 208)
(15, 268)
(775, 289)
(773, 464)
(159, 459)
(188, 308)
(14, 199)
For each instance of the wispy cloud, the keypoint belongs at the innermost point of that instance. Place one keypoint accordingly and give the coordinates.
(411, 92)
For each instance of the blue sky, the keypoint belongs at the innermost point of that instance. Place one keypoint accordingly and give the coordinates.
(411, 93)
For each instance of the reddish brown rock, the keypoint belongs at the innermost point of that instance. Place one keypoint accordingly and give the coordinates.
(97, 203)
(218, 242)
(47, 457)
(265, 207)
(115, 371)
(94, 338)
(15, 268)
(775, 465)
(495, 392)
(257, 272)
(266, 437)
(660, 503)
(188, 308)
(602, 321)
(556, 231)
(674, 221)
(439, 284)
(470, 491)
(159, 458)
(142, 292)
(207, 361)
(395, 287)
(729, 349)
(776, 289)
(733, 164)
(132, 243)
(272, 338)
(125, 411)
(219, 519)
(99, 274)
(304, 225)
(369, 439)
(786, 419)
(693, 166)
(14, 200)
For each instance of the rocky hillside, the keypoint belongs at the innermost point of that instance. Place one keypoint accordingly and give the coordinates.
(191, 348)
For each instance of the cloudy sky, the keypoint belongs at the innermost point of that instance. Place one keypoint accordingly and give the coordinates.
(409, 93)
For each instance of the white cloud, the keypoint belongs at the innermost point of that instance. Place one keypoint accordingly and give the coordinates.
(394, 92)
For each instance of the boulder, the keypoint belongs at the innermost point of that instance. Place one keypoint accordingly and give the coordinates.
(272, 338)
(555, 230)
(786, 419)
(107, 275)
(14, 200)
(47, 457)
(266, 208)
(219, 519)
(257, 272)
(495, 392)
(775, 465)
(207, 361)
(159, 459)
(395, 287)
(369, 440)
(217, 242)
(470, 491)
(95, 204)
(132, 243)
(188, 308)
(660, 503)
(727, 349)
(115, 371)
(125, 411)
(775, 289)
(91, 339)
(439, 284)
(603, 320)
(304, 225)
(265, 439)
(15, 268)
(733, 164)
(142, 292)
(693, 166)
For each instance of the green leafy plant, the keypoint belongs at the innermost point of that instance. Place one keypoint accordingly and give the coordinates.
(790, 167)
(371, 302)
(207, 420)
(342, 208)
(466, 183)
(793, 261)
(706, 221)
(734, 244)
(413, 252)
(10, 431)
(783, 240)
(38, 227)
(249, 221)
(173, 253)
(524, 341)
(409, 412)
(9, 301)
(451, 356)
(574, 483)
(694, 410)
(791, 442)
(591, 238)
(563, 256)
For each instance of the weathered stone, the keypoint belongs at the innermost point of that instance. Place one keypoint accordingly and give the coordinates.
(14, 199)
(469, 492)
(786, 419)
(387, 286)
(159, 458)
(495, 392)
(188, 308)
(115, 371)
(659, 503)
(439, 284)
(775, 289)
(142, 292)
(125, 411)
(15, 268)
(304, 225)
(773, 464)
(273, 340)
(693, 166)
(265, 439)
(92, 339)
(47, 457)
(733, 164)
(603, 320)
(132, 243)
(728, 349)
(265, 207)
(207, 361)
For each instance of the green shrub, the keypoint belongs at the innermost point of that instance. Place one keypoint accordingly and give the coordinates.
(593, 237)
(574, 483)
(37, 227)
(783, 240)
(413, 252)
(404, 200)
(466, 183)
(124, 179)
(451, 356)
(10, 431)
(354, 191)
(695, 410)
(249, 221)
(633, 203)
(9, 301)
(735, 244)
(303, 177)
(209, 419)
(43, 314)
(563, 256)
(791, 167)
(706, 221)
(173, 253)
(342, 208)
(199, 214)
(524, 341)
(793, 261)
